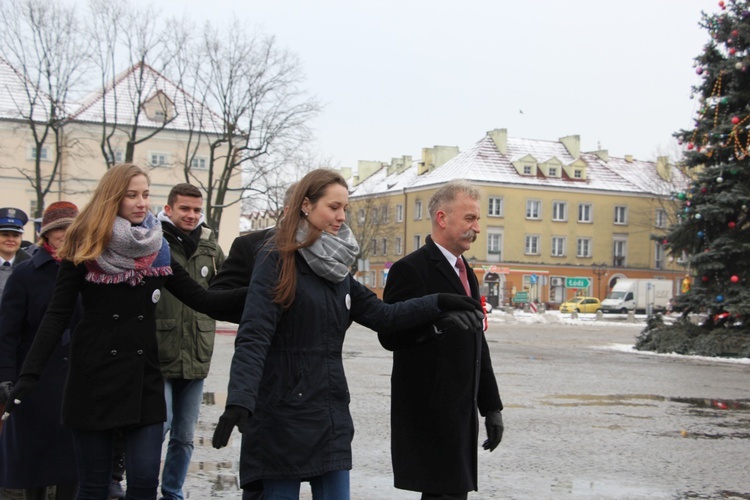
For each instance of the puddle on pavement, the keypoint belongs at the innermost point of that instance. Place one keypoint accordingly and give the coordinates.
(644, 400)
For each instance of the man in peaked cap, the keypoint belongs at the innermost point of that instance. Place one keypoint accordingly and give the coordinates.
(12, 221)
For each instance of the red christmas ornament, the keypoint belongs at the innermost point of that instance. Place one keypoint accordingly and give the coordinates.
(665, 242)
(704, 190)
(690, 145)
(734, 279)
(735, 120)
(732, 225)
(735, 33)
(699, 70)
(705, 279)
(732, 51)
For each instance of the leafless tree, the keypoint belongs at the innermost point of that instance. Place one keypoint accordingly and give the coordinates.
(258, 109)
(371, 219)
(43, 45)
(138, 103)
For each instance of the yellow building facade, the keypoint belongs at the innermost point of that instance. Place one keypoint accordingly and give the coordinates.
(556, 222)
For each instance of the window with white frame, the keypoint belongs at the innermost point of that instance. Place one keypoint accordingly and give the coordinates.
(527, 170)
(583, 247)
(621, 214)
(384, 246)
(399, 246)
(158, 159)
(533, 209)
(384, 214)
(558, 246)
(577, 173)
(619, 252)
(659, 256)
(116, 156)
(373, 247)
(418, 210)
(42, 154)
(661, 218)
(399, 213)
(553, 171)
(417, 241)
(361, 216)
(494, 245)
(585, 212)
(199, 163)
(495, 206)
(532, 244)
(559, 210)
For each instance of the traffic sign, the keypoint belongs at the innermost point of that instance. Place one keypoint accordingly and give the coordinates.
(521, 297)
(533, 279)
(577, 282)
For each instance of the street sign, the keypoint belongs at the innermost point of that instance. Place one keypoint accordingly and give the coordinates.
(533, 279)
(577, 282)
(521, 297)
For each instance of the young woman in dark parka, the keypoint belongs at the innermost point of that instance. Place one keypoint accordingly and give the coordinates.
(35, 450)
(287, 390)
(116, 258)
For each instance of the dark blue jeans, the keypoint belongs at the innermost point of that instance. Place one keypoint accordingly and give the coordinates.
(332, 485)
(94, 450)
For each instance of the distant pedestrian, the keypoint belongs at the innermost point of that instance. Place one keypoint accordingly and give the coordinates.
(12, 221)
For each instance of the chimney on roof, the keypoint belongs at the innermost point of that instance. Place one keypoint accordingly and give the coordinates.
(405, 163)
(435, 156)
(500, 137)
(629, 158)
(573, 144)
(346, 173)
(365, 169)
(663, 168)
(603, 154)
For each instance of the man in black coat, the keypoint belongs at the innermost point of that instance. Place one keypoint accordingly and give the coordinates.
(441, 374)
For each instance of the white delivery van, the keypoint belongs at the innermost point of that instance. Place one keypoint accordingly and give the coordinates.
(637, 295)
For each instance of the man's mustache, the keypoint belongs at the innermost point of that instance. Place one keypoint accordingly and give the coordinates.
(470, 235)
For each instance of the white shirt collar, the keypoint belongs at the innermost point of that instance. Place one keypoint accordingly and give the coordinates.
(448, 255)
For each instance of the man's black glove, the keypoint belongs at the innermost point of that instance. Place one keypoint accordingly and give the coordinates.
(464, 321)
(5, 388)
(233, 416)
(455, 302)
(494, 424)
(24, 386)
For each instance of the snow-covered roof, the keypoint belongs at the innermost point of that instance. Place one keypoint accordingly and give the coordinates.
(15, 95)
(484, 163)
(116, 102)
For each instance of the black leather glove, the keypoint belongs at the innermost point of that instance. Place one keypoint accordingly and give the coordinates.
(464, 321)
(233, 416)
(5, 388)
(455, 302)
(24, 386)
(494, 424)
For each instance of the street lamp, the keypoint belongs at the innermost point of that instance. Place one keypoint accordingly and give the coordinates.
(599, 270)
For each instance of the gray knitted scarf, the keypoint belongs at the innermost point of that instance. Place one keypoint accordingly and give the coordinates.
(133, 253)
(330, 256)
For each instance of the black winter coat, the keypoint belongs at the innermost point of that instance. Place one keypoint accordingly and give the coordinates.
(114, 378)
(287, 370)
(35, 450)
(436, 386)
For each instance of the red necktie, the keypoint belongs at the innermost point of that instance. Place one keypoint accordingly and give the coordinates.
(462, 274)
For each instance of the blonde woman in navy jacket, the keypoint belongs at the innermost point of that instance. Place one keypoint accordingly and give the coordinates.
(287, 391)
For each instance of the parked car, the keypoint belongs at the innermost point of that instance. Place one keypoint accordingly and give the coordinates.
(581, 305)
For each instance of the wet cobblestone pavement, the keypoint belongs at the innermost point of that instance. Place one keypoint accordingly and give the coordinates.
(583, 419)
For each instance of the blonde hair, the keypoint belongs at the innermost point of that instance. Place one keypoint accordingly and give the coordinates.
(91, 231)
(312, 187)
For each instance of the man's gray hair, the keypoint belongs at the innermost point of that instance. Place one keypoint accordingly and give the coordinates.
(447, 193)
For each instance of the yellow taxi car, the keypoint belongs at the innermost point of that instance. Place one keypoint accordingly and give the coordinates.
(581, 305)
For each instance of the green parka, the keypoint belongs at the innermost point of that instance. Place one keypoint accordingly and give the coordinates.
(186, 337)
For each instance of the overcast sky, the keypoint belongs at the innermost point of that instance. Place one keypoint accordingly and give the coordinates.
(399, 75)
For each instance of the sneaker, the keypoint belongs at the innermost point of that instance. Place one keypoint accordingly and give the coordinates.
(115, 490)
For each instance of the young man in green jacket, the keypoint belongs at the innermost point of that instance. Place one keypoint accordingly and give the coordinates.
(186, 337)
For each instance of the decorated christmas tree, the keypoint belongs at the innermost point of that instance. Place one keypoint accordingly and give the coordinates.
(713, 228)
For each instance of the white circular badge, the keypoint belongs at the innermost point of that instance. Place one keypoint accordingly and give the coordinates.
(204, 271)
(348, 301)
(156, 296)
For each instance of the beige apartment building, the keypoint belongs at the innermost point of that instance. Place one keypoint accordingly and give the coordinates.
(165, 114)
(556, 221)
